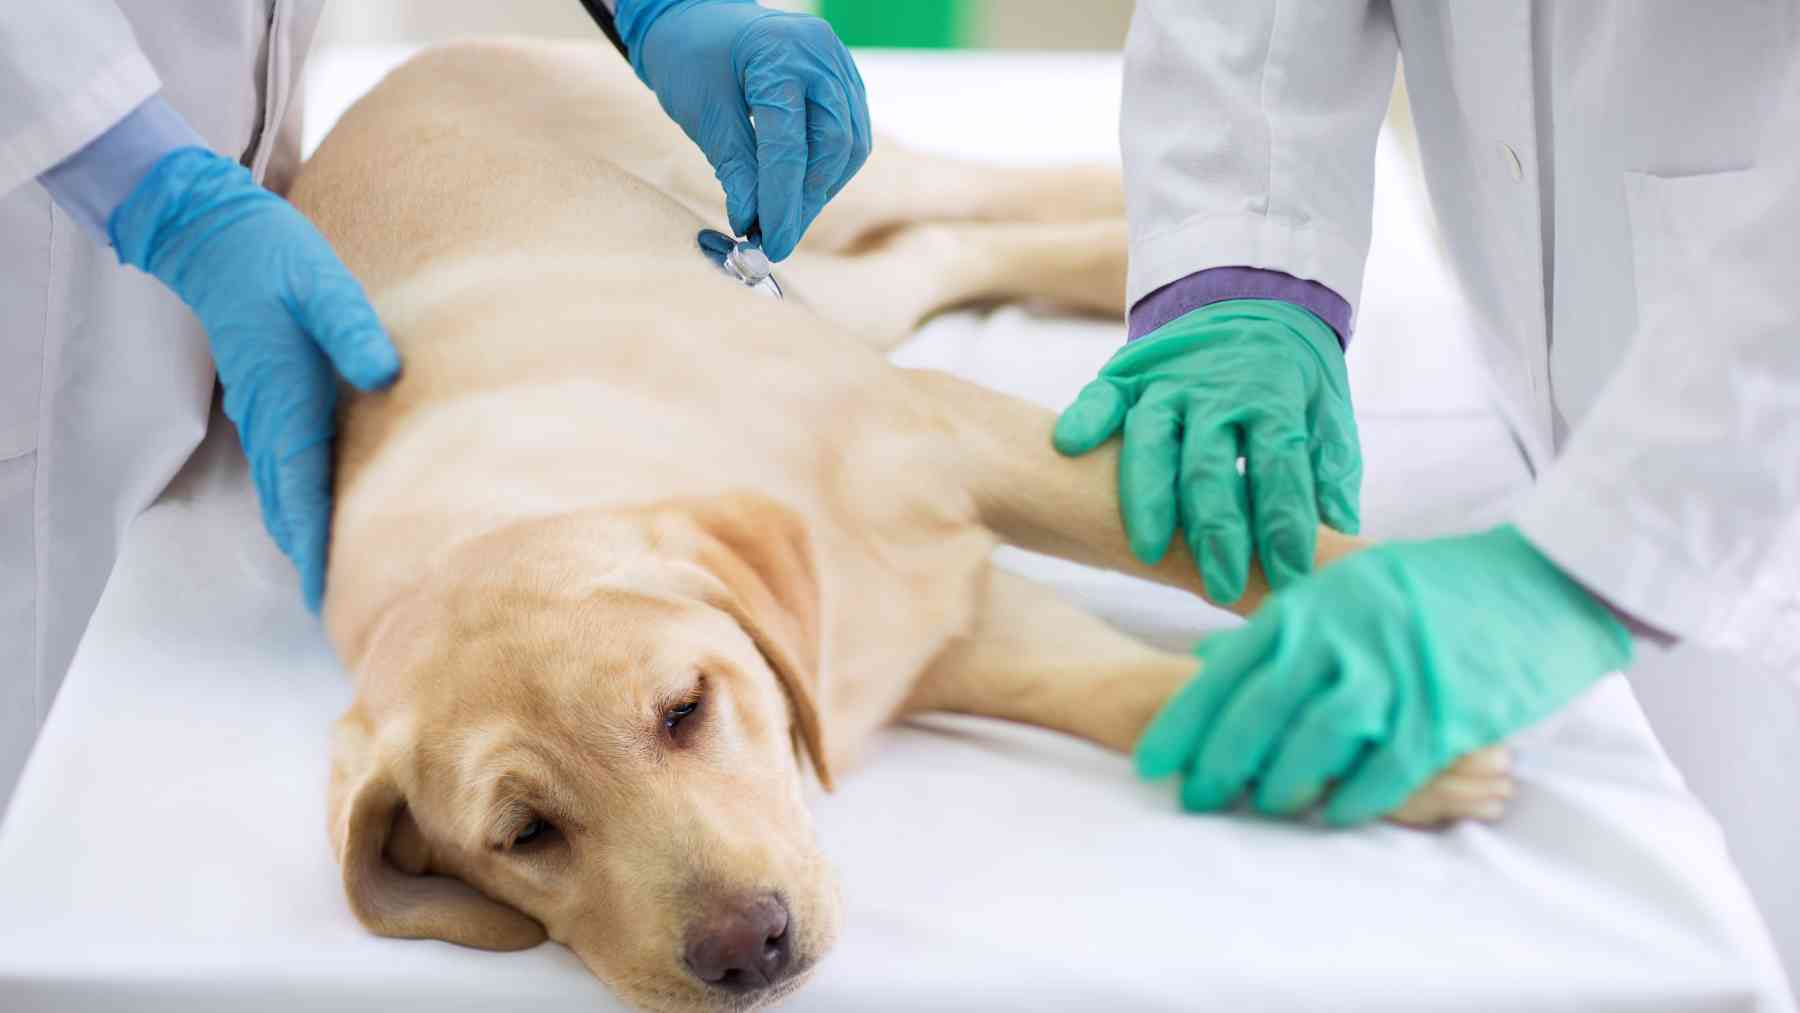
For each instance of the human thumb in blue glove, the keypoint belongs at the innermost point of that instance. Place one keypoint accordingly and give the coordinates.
(773, 99)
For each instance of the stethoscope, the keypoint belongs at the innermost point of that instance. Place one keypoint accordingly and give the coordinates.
(742, 259)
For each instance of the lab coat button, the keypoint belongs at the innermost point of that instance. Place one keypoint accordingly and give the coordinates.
(1513, 165)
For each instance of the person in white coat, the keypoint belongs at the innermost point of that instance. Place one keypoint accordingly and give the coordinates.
(1619, 187)
(143, 145)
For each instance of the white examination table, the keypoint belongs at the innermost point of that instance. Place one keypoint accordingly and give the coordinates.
(167, 851)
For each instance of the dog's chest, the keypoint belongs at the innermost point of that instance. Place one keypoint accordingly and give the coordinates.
(892, 605)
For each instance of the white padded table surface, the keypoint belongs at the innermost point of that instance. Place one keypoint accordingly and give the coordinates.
(167, 851)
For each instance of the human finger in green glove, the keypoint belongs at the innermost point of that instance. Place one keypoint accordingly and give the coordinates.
(1378, 672)
(1257, 379)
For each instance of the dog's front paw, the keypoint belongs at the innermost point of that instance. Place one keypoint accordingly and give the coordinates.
(1475, 787)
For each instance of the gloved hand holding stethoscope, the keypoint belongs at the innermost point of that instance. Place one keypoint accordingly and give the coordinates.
(772, 98)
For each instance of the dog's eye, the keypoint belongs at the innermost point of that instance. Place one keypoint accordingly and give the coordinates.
(536, 830)
(675, 716)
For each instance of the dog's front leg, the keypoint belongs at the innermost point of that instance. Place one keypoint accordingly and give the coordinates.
(1037, 499)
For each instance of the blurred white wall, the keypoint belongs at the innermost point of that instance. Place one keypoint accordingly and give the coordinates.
(1051, 24)
(389, 21)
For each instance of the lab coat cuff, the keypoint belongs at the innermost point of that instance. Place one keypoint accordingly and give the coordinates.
(1222, 284)
(64, 127)
(92, 182)
(1308, 252)
(1642, 573)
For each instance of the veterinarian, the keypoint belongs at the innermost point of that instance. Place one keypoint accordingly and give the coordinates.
(1620, 187)
(160, 132)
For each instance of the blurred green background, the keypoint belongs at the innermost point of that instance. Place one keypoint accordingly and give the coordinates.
(923, 24)
(935, 24)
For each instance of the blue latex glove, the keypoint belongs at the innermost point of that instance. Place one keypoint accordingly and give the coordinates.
(1380, 671)
(714, 64)
(280, 311)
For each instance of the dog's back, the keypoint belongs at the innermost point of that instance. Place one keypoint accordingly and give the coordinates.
(493, 147)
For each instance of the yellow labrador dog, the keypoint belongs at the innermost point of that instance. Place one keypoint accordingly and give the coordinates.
(630, 546)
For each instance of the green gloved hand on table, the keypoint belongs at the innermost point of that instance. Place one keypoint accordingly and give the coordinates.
(1380, 671)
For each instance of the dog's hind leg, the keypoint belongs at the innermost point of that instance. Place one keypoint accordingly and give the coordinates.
(901, 186)
(1034, 658)
(885, 290)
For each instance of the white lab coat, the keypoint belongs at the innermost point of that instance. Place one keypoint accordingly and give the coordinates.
(105, 378)
(1618, 183)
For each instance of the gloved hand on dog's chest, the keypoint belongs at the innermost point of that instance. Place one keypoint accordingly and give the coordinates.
(284, 317)
(772, 98)
(1378, 672)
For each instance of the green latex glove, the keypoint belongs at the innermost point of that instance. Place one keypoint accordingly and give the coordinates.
(1253, 378)
(1378, 673)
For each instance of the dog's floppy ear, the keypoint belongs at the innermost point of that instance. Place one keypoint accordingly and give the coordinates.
(383, 856)
(760, 552)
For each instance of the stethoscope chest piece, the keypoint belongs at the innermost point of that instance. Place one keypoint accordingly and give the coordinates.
(740, 259)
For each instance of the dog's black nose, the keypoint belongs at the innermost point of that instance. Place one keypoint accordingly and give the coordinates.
(742, 946)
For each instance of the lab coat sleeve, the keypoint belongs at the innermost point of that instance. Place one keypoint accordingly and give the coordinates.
(69, 69)
(1678, 496)
(1248, 132)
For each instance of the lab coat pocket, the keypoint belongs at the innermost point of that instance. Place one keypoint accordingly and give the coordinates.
(1714, 267)
(1674, 224)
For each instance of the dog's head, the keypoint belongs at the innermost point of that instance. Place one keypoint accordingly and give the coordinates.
(594, 729)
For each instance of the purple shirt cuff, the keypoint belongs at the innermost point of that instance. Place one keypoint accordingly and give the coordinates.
(1217, 284)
